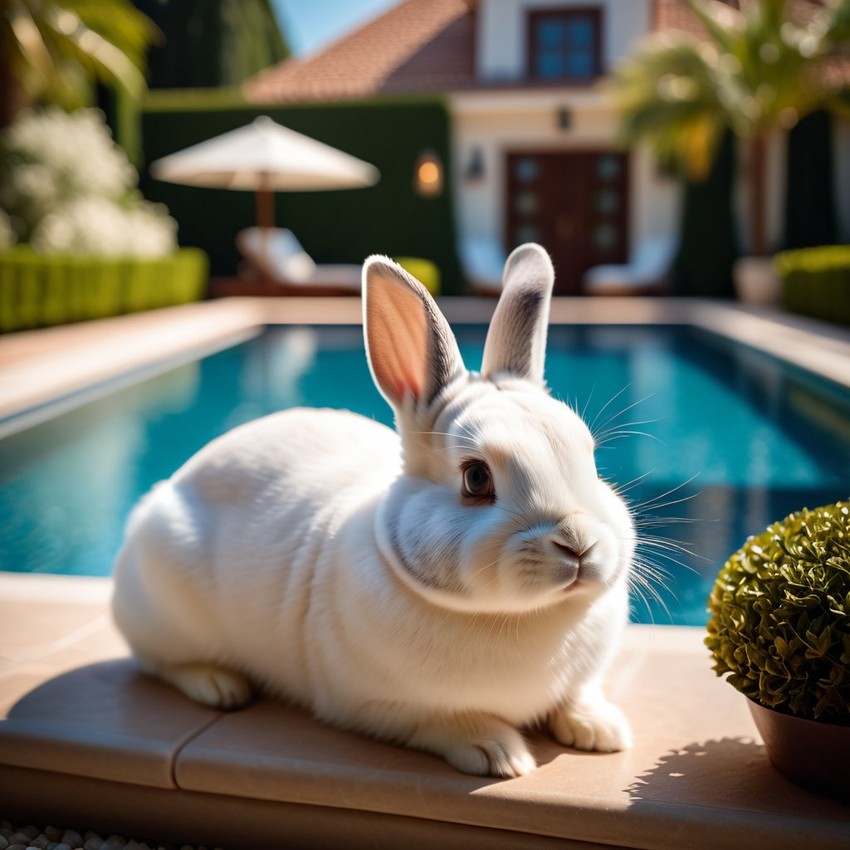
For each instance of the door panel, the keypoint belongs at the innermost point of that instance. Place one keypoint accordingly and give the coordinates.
(575, 204)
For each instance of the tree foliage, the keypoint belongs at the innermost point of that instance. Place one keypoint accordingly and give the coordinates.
(56, 51)
(208, 43)
(758, 68)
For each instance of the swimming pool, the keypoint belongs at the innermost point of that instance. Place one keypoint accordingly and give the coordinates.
(711, 439)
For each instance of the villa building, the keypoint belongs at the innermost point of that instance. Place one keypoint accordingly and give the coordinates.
(534, 154)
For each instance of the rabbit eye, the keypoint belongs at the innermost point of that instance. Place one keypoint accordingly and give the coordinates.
(477, 481)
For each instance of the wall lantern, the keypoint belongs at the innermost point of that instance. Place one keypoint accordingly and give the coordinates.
(474, 165)
(428, 175)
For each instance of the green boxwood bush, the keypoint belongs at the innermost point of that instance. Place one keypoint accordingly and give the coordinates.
(816, 281)
(780, 616)
(40, 290)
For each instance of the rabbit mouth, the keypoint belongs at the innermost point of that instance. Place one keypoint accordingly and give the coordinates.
(568, 574)
(547, 577)
(574, 584)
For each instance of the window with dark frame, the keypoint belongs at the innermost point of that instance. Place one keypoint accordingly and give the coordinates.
(565, 44)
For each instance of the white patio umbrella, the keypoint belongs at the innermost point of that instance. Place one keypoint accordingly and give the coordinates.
(265, 157)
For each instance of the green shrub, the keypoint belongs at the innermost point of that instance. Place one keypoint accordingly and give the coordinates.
(816, 281)
(780, 624)
(39, 291)
(424, 271)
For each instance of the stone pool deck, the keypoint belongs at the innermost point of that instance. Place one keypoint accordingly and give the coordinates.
(87, 741)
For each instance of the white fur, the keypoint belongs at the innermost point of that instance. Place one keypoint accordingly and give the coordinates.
(314, 556)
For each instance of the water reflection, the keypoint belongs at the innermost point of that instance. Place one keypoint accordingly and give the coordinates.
(66, 485)
(273, 372)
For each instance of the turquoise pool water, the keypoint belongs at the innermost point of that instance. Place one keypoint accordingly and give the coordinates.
(712, 440)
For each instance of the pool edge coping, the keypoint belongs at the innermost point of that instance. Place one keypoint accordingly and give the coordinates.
(57, 362)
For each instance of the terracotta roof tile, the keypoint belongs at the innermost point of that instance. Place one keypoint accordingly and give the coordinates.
(674, 15)
(419, 44)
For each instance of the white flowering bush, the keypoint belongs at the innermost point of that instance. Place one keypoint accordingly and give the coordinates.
(70, 189)
(101, 227)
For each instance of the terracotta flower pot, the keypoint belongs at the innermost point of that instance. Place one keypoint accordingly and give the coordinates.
(812, 754)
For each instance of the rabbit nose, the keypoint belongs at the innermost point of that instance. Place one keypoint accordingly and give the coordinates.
(569, 552)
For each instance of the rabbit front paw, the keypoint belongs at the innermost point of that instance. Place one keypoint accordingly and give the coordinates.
(209, 685)
(595, 725)
(477, 744)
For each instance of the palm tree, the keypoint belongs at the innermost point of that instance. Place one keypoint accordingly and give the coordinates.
(760, 68)
(57, 50)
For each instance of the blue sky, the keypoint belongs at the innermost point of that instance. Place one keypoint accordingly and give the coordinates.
(311, 24)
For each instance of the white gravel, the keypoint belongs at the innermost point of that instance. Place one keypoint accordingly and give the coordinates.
(54, 838)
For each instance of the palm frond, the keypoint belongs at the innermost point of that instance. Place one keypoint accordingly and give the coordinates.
(95, 53)
(32, 55)
(669, 95)
(57, 49)
(720, 20)
(757, 69)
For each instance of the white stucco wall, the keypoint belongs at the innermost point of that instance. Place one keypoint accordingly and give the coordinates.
(502, 36)
(498, 123)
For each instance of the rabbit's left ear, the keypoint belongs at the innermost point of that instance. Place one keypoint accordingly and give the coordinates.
(411, 349)
(516, 340)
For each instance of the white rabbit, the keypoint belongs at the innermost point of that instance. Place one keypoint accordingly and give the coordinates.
(439, 589)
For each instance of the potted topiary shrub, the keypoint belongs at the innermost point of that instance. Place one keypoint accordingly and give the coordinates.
(780, 629)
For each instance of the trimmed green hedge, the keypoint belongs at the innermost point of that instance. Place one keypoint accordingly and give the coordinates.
(816, 281)
(38, 290)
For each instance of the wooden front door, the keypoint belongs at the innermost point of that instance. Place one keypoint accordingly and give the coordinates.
(575, 204)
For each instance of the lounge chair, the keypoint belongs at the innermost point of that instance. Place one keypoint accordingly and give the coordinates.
(276, 259)
(646, 274)
(483, 260)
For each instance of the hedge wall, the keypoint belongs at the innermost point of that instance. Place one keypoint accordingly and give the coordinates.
(334, 227)
(816, 281)
(708, 245)
(38, 290)
(810, 217)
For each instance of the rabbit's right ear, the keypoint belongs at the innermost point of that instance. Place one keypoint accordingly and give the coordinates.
(516, 340)
(411, 349)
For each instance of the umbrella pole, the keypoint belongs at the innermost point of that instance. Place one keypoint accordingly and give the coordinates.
(265, 208)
